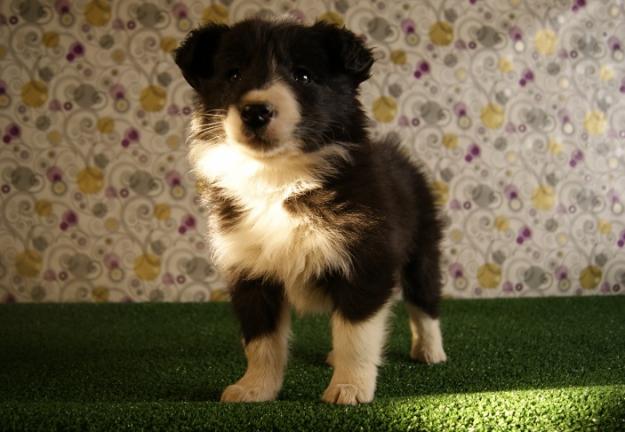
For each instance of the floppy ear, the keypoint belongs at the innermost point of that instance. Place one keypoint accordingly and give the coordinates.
(347, 51)
(195, 54)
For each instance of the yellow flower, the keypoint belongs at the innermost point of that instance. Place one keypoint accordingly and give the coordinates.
(50, 39)
(34, 93)
(43, 208)
(100, 294)
(153, 98)
(441, 192)
(456, 235)
(605, 227)
(501, 223)
(606, 73)
(111, 224)
(162, 211)
(90, 180)
(546, 42)
(398, 57)
(450, 141)
(118, 56)
(594, 122)
(28, 263)
(173, 141)
(555, 148)
(489, 275)
(147, 267)
(543, 198)
(492, 116)
(220, 295)
(98, 13)
(441, 33)
(168, 44)
(384, 109)
(105, 125)
(54, 136)
(505, 65)
(332, 17)
(590, 277)
(215, 13)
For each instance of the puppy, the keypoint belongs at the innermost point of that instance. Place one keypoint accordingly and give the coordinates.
(306, 210)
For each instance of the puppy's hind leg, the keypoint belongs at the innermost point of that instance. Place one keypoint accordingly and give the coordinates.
(427, 341)
(265, 321)
(422, 286)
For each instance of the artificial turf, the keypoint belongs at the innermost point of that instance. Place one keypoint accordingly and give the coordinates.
(531, 364)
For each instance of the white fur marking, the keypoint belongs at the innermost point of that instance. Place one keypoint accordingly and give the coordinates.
(427, 340)
(356, 355)
(269, 240)
(266, 361)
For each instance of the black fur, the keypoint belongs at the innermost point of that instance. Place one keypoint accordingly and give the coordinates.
(380, 201)
(258, 306)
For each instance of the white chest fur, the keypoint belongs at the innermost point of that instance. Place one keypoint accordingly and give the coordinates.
(269, 240)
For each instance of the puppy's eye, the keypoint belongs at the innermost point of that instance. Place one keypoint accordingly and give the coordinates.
(302, 75)
(233, 74)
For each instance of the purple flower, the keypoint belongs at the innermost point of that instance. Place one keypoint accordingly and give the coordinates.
(456, 270)
(132, 134)
(511, 192)
(189, 221)
(408, 25)
(14, 130)
(117, 91)
(110, 192)
(173, 178)
(180, 10)
(111, 261)
(54, 174)
(62, 6)
(70, 217)
(77, 49)
(561, 273)
(460, 109)
(614, 43)
(515, 33)
(168, 279)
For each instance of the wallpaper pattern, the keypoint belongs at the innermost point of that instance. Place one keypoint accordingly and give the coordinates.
(516, 107)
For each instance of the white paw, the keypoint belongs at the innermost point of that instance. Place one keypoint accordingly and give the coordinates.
(346, 394)
(247, 393)
(330, 358)
(428, 354)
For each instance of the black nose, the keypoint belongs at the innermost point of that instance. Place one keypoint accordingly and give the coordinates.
(256, 115)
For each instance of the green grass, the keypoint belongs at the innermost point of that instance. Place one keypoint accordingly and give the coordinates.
(536, 364)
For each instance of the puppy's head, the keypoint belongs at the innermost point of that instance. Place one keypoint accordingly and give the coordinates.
(276, 87)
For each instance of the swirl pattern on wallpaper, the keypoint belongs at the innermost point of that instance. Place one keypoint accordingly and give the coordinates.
(516, 108)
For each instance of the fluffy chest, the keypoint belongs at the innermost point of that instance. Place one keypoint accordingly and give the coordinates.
(264, 221)
(269, 239)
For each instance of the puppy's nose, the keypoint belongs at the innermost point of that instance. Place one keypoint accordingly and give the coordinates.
(256, 115)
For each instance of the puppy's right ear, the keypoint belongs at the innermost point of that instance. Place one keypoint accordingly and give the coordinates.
(196, 53)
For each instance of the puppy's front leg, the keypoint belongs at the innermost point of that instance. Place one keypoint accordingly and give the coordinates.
(356, 354)
(265, 321)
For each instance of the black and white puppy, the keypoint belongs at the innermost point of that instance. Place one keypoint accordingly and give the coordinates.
(306, 211)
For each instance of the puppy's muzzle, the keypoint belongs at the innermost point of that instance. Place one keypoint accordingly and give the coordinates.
(257, 115)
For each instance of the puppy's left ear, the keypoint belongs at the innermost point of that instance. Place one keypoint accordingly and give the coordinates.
(347, 51)
(195, 55)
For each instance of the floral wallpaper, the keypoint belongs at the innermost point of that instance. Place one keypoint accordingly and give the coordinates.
(515, 107)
